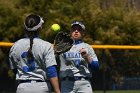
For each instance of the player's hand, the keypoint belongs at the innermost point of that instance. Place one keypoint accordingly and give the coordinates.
(83, 52)
(85, 55)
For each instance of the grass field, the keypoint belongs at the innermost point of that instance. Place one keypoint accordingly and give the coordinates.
(119, 91)
(115, 91)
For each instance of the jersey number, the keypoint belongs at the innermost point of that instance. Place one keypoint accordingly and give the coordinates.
(30, 63)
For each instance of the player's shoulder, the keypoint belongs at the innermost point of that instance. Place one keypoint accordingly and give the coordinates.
(42, 42)
(18, 41)
(39, 40)
(16, 44)
(86, 44)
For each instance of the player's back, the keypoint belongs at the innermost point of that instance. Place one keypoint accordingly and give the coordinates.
(35, 66)
(38, 46)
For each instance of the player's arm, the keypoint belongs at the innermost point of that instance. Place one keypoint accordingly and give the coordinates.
(12, 60)
(58, 62)
(51, 70)
(52, 74)
(90, 58)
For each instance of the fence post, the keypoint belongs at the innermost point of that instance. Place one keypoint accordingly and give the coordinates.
(104, 71)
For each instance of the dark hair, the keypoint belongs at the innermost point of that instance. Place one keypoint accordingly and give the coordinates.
(30, 22)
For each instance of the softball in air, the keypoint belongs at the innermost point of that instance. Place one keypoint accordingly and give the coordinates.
(55, 27)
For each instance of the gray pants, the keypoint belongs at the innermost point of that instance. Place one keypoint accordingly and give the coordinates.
(33, 87)
(79, 86)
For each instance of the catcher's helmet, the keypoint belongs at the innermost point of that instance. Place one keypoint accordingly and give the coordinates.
(33, 22)
(78, 23)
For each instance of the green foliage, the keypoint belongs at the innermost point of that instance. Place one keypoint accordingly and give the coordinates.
(115, 24)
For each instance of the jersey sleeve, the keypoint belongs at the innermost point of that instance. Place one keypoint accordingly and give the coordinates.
(94, 65)
(92, 53)
(12, 57)
(49, 56)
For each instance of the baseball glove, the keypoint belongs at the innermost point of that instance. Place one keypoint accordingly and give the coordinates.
(62, 42)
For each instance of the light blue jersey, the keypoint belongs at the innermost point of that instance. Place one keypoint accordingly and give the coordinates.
(34, 69)
(73, 64)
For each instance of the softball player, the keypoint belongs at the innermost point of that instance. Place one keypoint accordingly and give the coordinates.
(77, 62)
(33, 61)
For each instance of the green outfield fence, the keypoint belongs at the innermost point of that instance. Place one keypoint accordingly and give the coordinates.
(103, 47)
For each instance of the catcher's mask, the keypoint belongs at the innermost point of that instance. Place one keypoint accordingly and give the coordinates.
(33, 22)
(77, 26)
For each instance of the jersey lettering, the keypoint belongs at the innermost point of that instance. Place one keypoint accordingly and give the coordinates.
(74, 57)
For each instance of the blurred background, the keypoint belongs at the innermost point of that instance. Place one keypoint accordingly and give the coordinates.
(108, 22)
